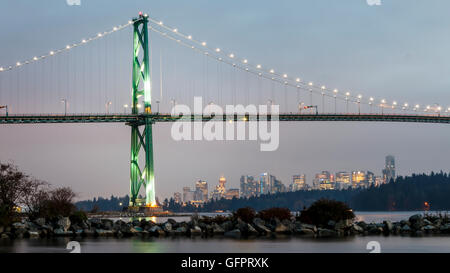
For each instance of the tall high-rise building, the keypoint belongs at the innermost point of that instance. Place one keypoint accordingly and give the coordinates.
(264, 183)
(177, 197)
(249, 186)
(343, 180)
(188, 195)
(298, 182)
(370, 179)
(219, 191)
(322, 181)
(358, 179)
(389, 169)
(201, 191)
(270, 184)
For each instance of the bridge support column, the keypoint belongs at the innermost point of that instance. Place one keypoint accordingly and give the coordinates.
(141, 141)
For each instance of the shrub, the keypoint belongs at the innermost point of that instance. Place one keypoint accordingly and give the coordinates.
(272, 213)
(324, 210)
(78, 217)
(245, 214)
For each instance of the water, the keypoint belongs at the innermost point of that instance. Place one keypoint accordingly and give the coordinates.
(293, 244)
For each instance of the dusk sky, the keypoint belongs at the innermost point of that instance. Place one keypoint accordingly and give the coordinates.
(397, 50)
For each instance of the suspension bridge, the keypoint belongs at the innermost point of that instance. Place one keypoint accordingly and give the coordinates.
(86, 78)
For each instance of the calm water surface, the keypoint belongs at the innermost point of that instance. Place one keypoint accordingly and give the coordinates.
(426, 244)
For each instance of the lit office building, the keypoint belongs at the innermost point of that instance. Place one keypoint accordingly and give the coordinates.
(219, 191)
(358, 179)
(298, 182)
(249, 186)
(232, 193)
(201, 191)
(322, 181)
(343, 180)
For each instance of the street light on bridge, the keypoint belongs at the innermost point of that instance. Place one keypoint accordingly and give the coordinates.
(6, 108)
(107, 106)
(335, 91)
(125, 107)
(65, 106)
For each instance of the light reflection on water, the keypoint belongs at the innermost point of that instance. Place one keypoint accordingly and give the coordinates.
(427, 244)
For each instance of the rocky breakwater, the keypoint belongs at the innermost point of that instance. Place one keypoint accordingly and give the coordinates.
(416, 225)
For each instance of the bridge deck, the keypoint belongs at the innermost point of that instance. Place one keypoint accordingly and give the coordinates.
(140, 118)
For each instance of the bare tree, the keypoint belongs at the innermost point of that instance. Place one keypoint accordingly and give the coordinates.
(16, 190)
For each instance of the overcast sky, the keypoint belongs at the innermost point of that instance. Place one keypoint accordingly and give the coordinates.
(398, 50)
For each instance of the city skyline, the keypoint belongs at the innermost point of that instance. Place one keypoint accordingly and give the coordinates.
(265, 183)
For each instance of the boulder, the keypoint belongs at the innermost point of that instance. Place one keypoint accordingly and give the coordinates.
(362, 224)
(196, 230)
(415, 218)
(387, 226)
(235, 233)
(405, 229)
(104, 232)
(62, 232)
(343, 224)
(156, 231)
(305, 232)
(107, 224)
(307, 226)
(227, 226)
(95, 222)
(331, 224)
(33, 234)
(258, 224)
(19, 225)
(172, 221)
(181, 230)
(429, 228)
(40, 221)
(4, 236)
(167, 226)
(324, 232)
(357, 228)
(217, 229)
(280, 228)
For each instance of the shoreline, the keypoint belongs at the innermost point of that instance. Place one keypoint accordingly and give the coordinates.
(224, 226)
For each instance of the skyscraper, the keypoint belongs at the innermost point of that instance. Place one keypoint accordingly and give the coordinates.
(389, 169)
(188, 195)
(298, 182)
(219, 191)
(201, 191)
(322, 181)
(343, 180)
(249, 186)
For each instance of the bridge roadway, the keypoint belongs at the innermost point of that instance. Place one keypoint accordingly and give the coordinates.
(140, 118)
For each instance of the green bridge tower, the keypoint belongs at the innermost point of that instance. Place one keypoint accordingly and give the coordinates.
(141, 141)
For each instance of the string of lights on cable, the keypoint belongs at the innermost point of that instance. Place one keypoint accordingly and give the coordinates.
(66, 48)
(232, 59)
